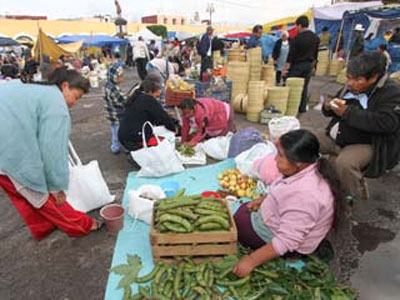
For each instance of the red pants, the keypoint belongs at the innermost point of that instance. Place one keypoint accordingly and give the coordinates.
(42, 221)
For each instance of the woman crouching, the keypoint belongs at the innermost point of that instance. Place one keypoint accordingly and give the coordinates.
(299, 210)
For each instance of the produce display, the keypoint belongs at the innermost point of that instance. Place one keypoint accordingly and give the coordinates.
(274, 280)
(184, 214)
(238, 184)
(177, 84)
(186, 150)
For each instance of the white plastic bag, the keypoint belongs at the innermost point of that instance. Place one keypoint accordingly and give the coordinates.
(199, 158)
(141, 202)
(165, 133)
(157, 161)
(87, 188)
(244, 161)
(217, 148)
(280, 126)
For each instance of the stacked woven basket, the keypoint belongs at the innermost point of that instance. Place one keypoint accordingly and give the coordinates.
(295, 91)
(323, 63)
(238, 72)
(278, 98)
(255, 102)
(254, 56)
(342, 76)
(335, 66)
(268, 75)
(236, 55)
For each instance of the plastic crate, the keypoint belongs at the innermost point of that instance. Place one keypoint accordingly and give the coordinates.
(174, 98)
(206, 90)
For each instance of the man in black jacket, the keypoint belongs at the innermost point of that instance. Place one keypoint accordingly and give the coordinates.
(204, 48)
(302, 56)
(364, 132)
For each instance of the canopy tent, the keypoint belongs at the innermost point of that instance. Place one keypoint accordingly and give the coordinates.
(285, 23)
(93, 40)
(146, 34)
(331, 16)
(237, 35)
(46, 46)
(376, 20)
(72, 47)
(7, 42)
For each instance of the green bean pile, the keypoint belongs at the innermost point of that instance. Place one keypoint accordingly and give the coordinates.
(274, 280)
(185, 214)
(186, 150)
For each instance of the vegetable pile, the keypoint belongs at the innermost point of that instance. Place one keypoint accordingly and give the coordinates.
(273, 280)
(186, 150)
(184, 214)
(238, 184)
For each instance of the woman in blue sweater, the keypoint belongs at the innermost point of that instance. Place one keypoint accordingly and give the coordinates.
(34, 132)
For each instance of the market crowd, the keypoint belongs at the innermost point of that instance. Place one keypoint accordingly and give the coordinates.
(317, 172)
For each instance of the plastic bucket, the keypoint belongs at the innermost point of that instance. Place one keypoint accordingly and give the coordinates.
(113, 215)
(170, 188)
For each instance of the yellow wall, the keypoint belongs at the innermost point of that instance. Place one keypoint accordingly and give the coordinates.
(55, 28)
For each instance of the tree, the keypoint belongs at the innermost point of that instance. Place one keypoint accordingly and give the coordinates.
(159, 30)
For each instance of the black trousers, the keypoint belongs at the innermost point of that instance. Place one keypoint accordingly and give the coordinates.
(206, 63)
(141, 67)
(302, 70)
(280, 78)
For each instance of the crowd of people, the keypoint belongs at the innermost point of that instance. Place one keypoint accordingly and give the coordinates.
(316, 170)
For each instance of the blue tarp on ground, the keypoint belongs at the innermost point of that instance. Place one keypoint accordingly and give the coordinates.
(135, 239)
(93, 40)
(6, 42)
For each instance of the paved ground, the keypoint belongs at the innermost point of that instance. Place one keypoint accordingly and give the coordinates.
(367, 251)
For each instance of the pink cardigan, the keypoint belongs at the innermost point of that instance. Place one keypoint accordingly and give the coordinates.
(299, 211)
(214, 111)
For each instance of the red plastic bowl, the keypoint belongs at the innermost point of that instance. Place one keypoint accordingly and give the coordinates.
(207, 194)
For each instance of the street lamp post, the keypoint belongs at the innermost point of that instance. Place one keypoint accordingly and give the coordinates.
(210, 9)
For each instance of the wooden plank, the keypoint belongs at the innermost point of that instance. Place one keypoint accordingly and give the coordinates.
(197, 260)
(198, 238)
(192, 250)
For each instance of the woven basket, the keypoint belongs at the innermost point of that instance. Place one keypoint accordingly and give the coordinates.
(323, 55)
(254, 56)
(239, 103)
(335, 67)
(295, 82)
(322, 68)
(278, 98)
(342, 76)
(236, 55)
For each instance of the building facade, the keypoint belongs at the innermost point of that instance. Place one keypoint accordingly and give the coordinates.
(165, 20)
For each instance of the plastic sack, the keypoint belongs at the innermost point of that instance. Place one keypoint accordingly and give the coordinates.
(243, 140)
(87, 188)
(199, 158)
(217, 148)
(165, 133)
(157, 161)
(141, 202)
(266, 169)
(245, 160)
(280, 126)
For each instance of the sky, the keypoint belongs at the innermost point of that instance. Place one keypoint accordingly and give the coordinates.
(233, 12)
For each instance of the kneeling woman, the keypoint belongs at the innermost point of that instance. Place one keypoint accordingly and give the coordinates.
(143, 107)
(207, 117)
(298, 212)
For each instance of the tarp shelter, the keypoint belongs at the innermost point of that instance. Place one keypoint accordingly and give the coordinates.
(93, 40)
(285, 23)
(237, 35)
(377, 20)
(7, 42)
(331, 16)
(46, 46)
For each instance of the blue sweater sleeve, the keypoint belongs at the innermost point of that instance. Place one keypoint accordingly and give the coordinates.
(54, 128)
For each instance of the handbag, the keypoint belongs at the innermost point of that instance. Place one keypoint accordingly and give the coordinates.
(87, 188)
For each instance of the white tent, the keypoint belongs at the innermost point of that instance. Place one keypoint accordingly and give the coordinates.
(336, 11)
(147, 35)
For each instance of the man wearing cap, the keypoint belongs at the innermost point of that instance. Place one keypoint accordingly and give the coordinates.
(204, 48)
(358, 46)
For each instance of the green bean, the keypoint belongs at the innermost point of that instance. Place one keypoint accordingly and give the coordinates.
(186, 285)
(176, 204)
(210, 227)
(177, 281)
(214, 219)
(225, 273)
(137, 296)
(188, 214)
(176, 219)
(159, 274)
(150, 275)
(238, 282)
(234, 292)
(269, 274)
(127, 292)
(175, 227)
(200, 274)
(202, 292)
(159, 297)
(145, 292)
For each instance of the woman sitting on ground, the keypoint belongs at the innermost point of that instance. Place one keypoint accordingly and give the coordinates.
(207, 117)
(143, 107)
(34, 136)
(299, 210)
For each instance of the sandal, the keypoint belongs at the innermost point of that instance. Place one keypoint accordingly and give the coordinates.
(99, 224)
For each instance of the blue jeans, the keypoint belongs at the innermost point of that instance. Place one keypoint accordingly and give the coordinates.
(115, 146)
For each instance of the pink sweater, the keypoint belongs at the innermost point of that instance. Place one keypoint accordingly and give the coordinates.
(299, 211)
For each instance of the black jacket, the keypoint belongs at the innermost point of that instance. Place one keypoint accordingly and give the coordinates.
(144, 108)
(204, 45)
(381, 120)
(277, 49)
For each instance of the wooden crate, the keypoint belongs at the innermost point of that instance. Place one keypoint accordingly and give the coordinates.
(174, 98)
(200, 246)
